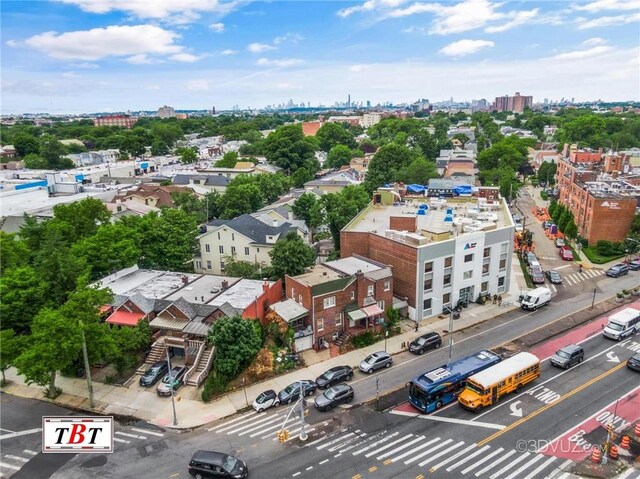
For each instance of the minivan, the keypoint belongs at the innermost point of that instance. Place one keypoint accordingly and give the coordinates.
(568, 356)
(217, 464)
(622, 324)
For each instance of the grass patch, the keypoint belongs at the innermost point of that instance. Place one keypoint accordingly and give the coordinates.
(596, 258)
(525, 271)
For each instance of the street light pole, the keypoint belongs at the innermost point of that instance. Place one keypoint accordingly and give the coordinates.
(450, 332)
(173, 401)
(303, 433)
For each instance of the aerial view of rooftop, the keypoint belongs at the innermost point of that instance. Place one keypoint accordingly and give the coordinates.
(367, 239)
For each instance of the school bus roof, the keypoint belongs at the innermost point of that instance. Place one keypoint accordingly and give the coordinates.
(504, 369)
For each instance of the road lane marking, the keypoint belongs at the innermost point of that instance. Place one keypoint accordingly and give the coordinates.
(268, 420)
(8, 430)
(296, 474)
(147, 431)
(466, 422)
(20, 433)
(9, 466)
(442, 453)
(400, 448)
(387, 462)
(30, 452)
(227, 424)
(270, 428)
(549, 406)
(526, 465)
(495, 463)
(335, 441)
(384, 439)
(373, 468)
(309, 468)
(467, 458)
(134, 436)
(387, 446)
(510, 465)
(124, 441)
(540, 468)
(599, 333)
(414, 450)
(16, 458)
(428, 451)
(452, 458)
(482, 461)
(323, 462)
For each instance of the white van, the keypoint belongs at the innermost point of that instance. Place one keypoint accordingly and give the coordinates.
(622, 324)
(536, 298)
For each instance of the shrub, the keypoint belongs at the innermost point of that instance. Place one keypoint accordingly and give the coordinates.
(214, 384)
(262, 367)
(363, 340)
(544, 195)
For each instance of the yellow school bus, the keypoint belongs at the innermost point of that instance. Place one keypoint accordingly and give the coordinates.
(486, 387)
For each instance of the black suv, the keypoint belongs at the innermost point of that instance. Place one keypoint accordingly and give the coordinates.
(617, 270)
(154, 373)
(292, 391)
(425, 342)
(217, 464)
(334, 376)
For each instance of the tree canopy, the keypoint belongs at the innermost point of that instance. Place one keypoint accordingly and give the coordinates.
(291, 256)
(232, 354)
(289, 149)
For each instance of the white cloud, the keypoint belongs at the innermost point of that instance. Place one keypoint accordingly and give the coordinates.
(185, 57)
(259, 47)
(519, 18)
(217, 27)
(197, 85)
(70, 75)
(288, 37)
(591, 52)
(594, 41)
(600, 5)
(369, 6)
(182, 11)
(228, 51)
(99, 43)
(599, 22)
(465, 47)
(284, 62)
(85, 66)
(12, 43)
(357, 68)
(140, 59)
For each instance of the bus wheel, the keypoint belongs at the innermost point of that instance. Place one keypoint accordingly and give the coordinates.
(519, 388)
(438, 404)
(476, 410)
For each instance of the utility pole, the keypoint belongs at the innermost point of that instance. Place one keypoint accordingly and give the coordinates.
(450, 332)
(87, 367)
(303, 433)
(594, 298)
(173, 400)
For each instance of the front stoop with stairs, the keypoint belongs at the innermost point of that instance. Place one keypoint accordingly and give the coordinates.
(342, 338)
(202, 367)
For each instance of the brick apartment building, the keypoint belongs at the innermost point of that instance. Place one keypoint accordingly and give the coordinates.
(345, 297)
(123, 121)
(515, 103)
(603, 207)
(442, 250)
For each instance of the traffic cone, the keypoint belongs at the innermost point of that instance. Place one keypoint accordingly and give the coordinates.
(596, 455)
(613, 453)
(625, 443)
(636, 431)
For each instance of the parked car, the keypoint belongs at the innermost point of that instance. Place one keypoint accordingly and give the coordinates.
(546, 224)
(566, 253)
(617, 270)
(172, 380)
(334, 376)
(265, 400)
(634, 362)
(554, 277)
(568, 356)
(560, 242)
(529, 257)
(376, 361)
(425, 342)
(154, 373)
(634, 264)
(292, 391)
(217, 464)
(334, 396)
(537, 276)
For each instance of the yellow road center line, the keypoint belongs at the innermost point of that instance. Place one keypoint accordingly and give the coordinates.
(387, 462)
(373, 468)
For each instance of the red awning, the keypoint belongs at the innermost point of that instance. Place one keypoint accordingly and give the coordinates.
(373, 310)
(125, 318)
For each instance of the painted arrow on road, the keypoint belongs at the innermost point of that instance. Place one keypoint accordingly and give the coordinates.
(516, 410)
(612, 358)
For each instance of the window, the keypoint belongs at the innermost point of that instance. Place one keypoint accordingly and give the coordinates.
(233, 237)
(300, 298)
(428, 267)
(487, 253)
(320, 323)
(428, 284)
(484, 287)
(381, 304)
(293, 293)
(503, 263)
(222, 265)
(246, 251)
(468, 258)
(446, 298)
(218, 234)
(426, 304)
(370, 290)
(468, 274)
(387, 285)
(485, 268)
(329, 302)
(447, 280)
(207, 248)
(258, 250)
(221, 249)
(504, 247)
(353, 295)
(501, 284)
(208, 264)
(233, 251)
(338, 319)
(448, 262)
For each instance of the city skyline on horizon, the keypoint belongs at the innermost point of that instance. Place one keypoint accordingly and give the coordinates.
(80, 56)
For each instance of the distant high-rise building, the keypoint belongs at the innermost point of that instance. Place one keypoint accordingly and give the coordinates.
(349, 100)
(368, 104)
(515, 103)
(166, 112)
(546, 101)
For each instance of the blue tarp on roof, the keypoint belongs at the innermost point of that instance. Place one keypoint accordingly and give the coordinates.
(415, 189)
(462, 189)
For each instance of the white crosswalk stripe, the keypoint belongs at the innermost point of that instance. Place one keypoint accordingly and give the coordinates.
(400, 448)
(229, 424)
(387, 446)
(384, 439)
(525, 466)
(335, 441)
(30, 452)
(467, 458)
(510, 465)
(344, 445)
(452, 458)
(16, 458)
(9, 466)
(495, 463)
(429, 451)
(538, 469)
(252, 424)
(133, 436)
(482, 461)
(273, 428)
(441, 453)
(147, 431)
(414, 450)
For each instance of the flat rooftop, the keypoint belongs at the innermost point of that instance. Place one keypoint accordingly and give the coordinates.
(442, 217)
(352, 265)
(241, 294)
(149, 283)
(320, 274)
(203, 289)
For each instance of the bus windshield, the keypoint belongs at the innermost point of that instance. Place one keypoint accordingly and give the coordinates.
(419, 395)
(475, 388)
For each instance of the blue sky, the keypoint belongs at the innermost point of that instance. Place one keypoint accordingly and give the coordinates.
(72, 56)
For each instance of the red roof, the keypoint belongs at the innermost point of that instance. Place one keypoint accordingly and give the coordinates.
(105, 307)
(125, 318)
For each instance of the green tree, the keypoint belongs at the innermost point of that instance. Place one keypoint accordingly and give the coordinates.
(13, 252)
(288, 148)
(571, 230)
(291, 256)
(385, 165)
(272, 186)
(240, 199)
(241, 269)
(34, 161)
(419, 171)
(187, 155)
(52, 151)
(159, 148)
(586, 131)
(342, 207)
(168, 240)
(547, 173)
(339, 155)
(133, 146)
(129, 342)
(84, 216)
(23, 294)
(191, 204)
(26, 144)
(461, 137)
(303, 206)
(232, 356)
(166, 132)
(332, 134)
(229, 160)
(10, 347)
(301, 176)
